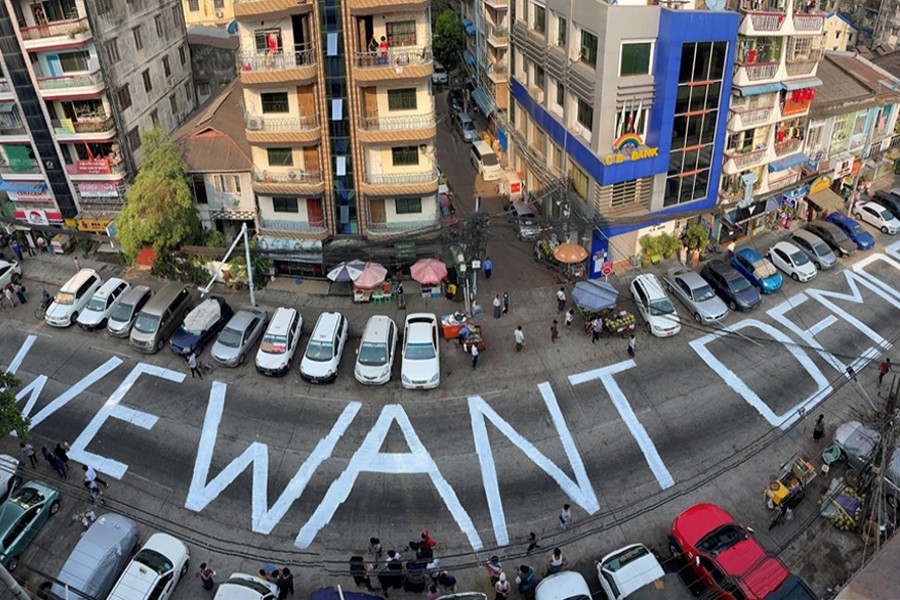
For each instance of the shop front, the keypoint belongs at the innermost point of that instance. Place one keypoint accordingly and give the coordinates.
(293, 257)
(822, 198)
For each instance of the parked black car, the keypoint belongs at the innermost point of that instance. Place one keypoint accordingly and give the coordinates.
(888, 200)
(455, 100)
(833, 236)
(201, 325)
(731, 286)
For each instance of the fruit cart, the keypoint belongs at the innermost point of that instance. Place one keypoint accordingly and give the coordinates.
(620, 322)
(790, 486)
(594, 299)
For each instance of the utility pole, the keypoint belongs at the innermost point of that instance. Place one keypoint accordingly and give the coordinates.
(12, 585)
(866, 150)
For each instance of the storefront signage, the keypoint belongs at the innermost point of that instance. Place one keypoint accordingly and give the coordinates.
(405, 250)
(821, 183)
(842, 168)
(629, 145)
(93, 167)
(94, 225)
(98, 190)
(30, 196)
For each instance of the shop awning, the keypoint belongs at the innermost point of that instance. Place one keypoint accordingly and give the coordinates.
(469, 27)
(753, 211)
(756, 90)
(801, 84)
(827, 200)
(22, 186)
(483, 100)
(787, 162)
(470, 58)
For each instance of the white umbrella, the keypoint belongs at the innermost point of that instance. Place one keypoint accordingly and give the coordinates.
(347, 271)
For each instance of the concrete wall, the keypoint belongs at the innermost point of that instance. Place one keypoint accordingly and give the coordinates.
(213, 68)
(207, 13)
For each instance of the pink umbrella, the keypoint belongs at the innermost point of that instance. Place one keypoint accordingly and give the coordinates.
(372, 276)
(428, 270)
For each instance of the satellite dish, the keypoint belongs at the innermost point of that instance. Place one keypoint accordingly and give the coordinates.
(715, 4)
(233, 27)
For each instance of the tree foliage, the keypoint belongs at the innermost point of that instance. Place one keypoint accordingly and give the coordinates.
(160, 209)
(11, 418)
(447, 37)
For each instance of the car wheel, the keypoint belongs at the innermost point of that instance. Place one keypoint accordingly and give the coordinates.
(160, 344)
(241, 359)
(649, 329)
(698, 318)
(12, 564)
(818, 265)
(184, 569)
(733, 305)
(884, 230)
(73, 318)
(795, 277)
(54, 508)
(857, 215)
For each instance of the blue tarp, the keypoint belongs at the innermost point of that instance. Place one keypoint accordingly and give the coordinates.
(756, 90)
(470, 58)
(788, 162)
(594, 295)
(801, 84)
(23, 186)
(466, 23)
(484, 101)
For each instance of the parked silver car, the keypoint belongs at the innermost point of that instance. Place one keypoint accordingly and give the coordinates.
(693, 291)
(238, 336)
(814, 248)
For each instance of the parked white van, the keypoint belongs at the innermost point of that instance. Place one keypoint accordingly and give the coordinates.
(102, 304)
(485, 161)
(279, 342)
(72, 298)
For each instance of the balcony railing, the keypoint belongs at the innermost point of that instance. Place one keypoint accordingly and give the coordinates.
(97, 166)
(401, 178)
(94, 126)
(758, 72)
(782, 181)
(401, 225)
(13, 129)
(747, 159)
(20, 167)
(762, 6)
(800, 68)
(5, 88)
(282, 124)
(498, 35)
(70, 81)
(767, 21)
(302, 56)
(788, 147)
(809, 22)
(69, 27)
(290, 176)
(895, 141)
(754, 116)
(395, 123)
(393, 57)
(292, 226)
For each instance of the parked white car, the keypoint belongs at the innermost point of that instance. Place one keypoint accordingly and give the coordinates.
(655, 306)
(877, 215)
(154, 571)
(375, 355)
(102, 304)
(567, 585)
(10, 272)
(9, 473)
(792, 260)
(279, 342)
(325, 347)
(241, 586)
(420, 367)
(71, 298)
(634, 572)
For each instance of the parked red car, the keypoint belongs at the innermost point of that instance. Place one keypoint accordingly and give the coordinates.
(448, 213)
(728, 560)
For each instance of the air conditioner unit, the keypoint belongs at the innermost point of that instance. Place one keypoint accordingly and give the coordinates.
(220, 14)
(254, 124)
(293, 175)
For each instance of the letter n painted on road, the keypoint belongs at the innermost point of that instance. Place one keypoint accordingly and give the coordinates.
(369, 458)
(582, 493)
(605, 375)
(202, 493)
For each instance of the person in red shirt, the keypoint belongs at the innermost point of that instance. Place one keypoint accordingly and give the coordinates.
(882, 371)
(427, 540)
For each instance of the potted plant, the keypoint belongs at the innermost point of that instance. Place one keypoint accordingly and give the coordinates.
(650, 250)
(668, 245)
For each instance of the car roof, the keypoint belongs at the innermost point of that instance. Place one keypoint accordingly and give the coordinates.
(561, 586)
(326, 326)
(281, 319)
(137, 578)
(823, 225)
(651, 284)
(690, 277)
(875, 206)
(806, 235)
(78, 280)
(245, 592)
(111, 284)
(698, 520)
(377, 329)
(841, 219)
(419, 332)
(786, 246)
(750, 254)
(136, 293)
(430, 317)
(242, 318)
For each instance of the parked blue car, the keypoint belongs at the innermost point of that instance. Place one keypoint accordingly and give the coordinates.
(758, 270)
(862, 238)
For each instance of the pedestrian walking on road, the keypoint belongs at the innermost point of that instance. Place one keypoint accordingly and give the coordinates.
(28, 450)
(427, 540)
(401, 299)
(61, 451)
(561, 299)
(525, 581)
(554, 331)
(94, 491)
(19, 291)
(77, 264)
(91, 475)
(494, 568)
(819, 429)
(474, 356)
(501, 588)
(596, 329)
(48, 456)
(520, 338)
(532, 543)
(883, 370)
(570, 318)
(58, 466)
(505, 303)
(488, 267)
(565, 516)
(498, 307)
(192, 363)
(7, 293)
(631, 342)
(447, 582)
(557, 562)
(285, 584)
(206, 575)
(17, 249)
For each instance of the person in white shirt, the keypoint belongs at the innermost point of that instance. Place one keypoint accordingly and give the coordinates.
(520, 338)
(561, 299)
(474, 356)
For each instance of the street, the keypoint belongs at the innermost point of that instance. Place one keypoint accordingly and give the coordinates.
(250, 470)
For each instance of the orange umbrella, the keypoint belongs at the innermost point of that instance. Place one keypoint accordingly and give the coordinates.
(428, 270)
(569, 253)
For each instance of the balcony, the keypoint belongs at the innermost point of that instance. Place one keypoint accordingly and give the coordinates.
(300, 229)
(788, 147)
(302, 129)
(498, 4)
(760, 71)
(417, 182)
(401, 178)
(99, 168)
(811, 23)
(498, 72)
(399, 227)
(13, 129)
(498, 37)
(58, 34)
(65, 86)
(411, 128)
(279, 67)
(784, 179)
(273, 8)
(393, 64)
(89, 130)
(6, 91)
(290, 181)
(29, 167)
(379, 7)
(742, 119)
(804, 62)
(746, 160)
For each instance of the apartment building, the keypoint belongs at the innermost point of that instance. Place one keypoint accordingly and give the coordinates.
(212, 13)
(486, 24)
(340, 118)
(80, 79)
(618, 112)
(779, 46)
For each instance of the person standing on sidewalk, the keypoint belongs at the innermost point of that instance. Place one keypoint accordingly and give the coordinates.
(47, 455)
(91, 475)
(819, 429)
(61, 451)
(631, 342)
(554, 331)
(520, 338)
(19, 292)
(488, 267)
(77, 264)
(192, 363)
(58, 466)
(206, 575)
(28, 450)
(505, 303)
(498, 308)
(401, 300)
(596, 329)
(570, 318)
(565, 516)
(474, 356)
(561, 299)
(883, 370)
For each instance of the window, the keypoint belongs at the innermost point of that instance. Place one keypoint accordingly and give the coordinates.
(560, 94)
(402, 99)
(160, 31)
(134, 139)
(112, 50)
(188, 92)
(138, 41)
(154, 117)
(586, 114)
(123, 95)
(406, 206)
(103, 7)
(173, 103)
(194, 5)
(540, 78)
(280, 157)
(400, 33)
(236, 184)
(267, 40)
(579, 180)
(635, 59)
(405, 156)
(285, 205)
(219, 3)
(148, 83)
(589, 48)
(167, 70)
(176, 15)
(539, 18)
(274, 102)
(74, 61)
(203, 89)
(181, 55)
(199, 186)
(561, 31)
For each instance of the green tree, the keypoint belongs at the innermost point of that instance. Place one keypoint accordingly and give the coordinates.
(159, 209)
(11, 418)
(447, 37)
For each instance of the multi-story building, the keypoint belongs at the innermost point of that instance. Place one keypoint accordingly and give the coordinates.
(213, 13)
(80, 81)
(778, 49)
(340, 117)
(213, 59)
(840, 33)
(618, 112)
(486, 24)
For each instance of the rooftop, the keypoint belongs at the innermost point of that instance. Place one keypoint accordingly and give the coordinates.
(213, 139)
(203, 35)
(851, 82)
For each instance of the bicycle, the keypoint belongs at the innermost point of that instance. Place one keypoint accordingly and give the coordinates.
(41, 310)
(204, 368)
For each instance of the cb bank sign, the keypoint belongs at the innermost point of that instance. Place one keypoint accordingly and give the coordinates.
(630, 146)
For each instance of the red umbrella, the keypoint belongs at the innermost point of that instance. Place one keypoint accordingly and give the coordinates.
(372, 276)
(428, 270)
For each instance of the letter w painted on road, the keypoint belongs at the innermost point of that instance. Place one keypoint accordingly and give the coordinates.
(582, 493)
(202, 493)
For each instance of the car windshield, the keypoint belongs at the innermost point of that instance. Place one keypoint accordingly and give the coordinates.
(146, 323)
(620, 560)
(319, 350)
(419, 351)
(274, 344)
(469, 126)
(154, 560)
(858, 230)
(489, 160)
(702, 293)
(26, 497)
(231, 337)
(372, 354)
(122, 313)
(65, 298)
(722, 539)
(839, 236)
(97, 304)
(799, 258)
(661, 306)
(4, 269)
(821, 249)
(738, 284)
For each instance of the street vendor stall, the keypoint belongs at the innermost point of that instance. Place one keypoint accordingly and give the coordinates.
(451, 324)
(620, 322)
(789, 487)
(370, 285)
(594, 299)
